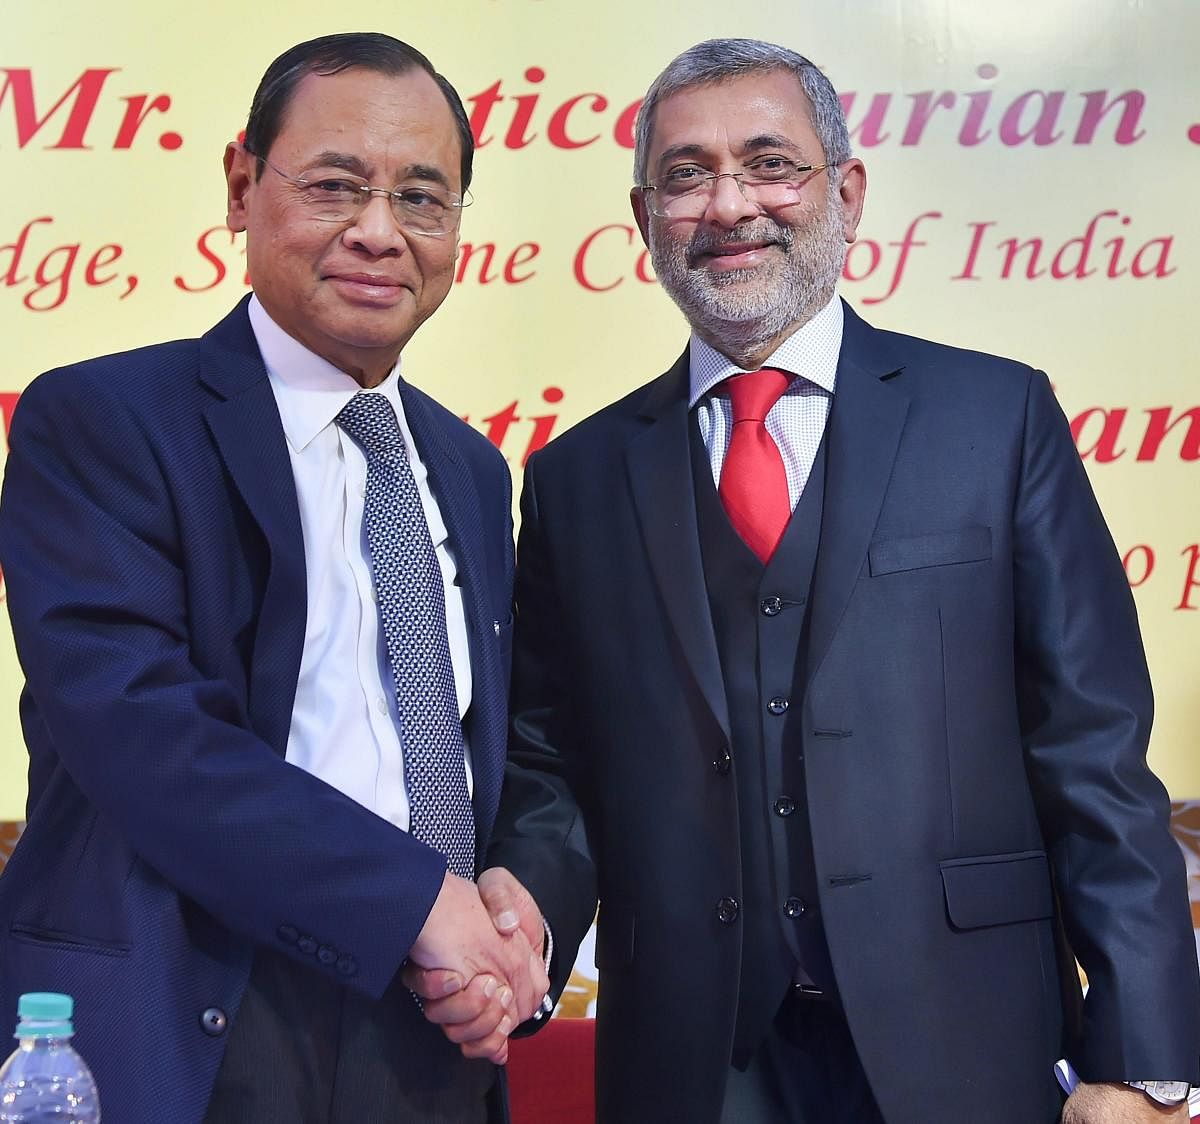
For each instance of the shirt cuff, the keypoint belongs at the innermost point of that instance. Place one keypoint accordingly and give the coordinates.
(547, 1007)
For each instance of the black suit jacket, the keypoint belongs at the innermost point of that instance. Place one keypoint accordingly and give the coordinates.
(973, 729)
(151, 541)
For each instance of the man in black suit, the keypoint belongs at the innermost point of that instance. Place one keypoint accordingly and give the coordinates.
(827, 677)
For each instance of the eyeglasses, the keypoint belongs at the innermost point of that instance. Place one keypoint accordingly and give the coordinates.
(421, 209)
(685, 192)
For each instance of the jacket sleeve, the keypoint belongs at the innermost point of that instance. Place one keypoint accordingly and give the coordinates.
(95, 569)
(1085, 707)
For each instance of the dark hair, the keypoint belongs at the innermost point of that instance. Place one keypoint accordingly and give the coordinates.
(331, 54)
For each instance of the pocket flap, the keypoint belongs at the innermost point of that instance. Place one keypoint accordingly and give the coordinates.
(997, 889)
(943, 548)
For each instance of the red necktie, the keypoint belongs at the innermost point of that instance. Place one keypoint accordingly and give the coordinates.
(754, 486)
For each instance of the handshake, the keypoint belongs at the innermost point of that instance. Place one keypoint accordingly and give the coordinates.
(477, 965)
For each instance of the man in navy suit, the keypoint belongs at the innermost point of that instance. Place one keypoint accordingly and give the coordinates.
(231, 848)
(828, 683)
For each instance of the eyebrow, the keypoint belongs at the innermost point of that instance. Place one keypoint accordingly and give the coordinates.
(754, 144)
(770, 140)
(427, 172)
(357, 166)
(342, 160)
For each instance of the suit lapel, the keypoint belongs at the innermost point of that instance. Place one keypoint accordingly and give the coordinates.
(660, 473)
(458, 498)
(245, 425)
(865, 424)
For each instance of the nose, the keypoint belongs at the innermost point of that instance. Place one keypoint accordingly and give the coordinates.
(728, 205)
(374, 229)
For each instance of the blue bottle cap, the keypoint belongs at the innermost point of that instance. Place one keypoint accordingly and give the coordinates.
(44, 1014)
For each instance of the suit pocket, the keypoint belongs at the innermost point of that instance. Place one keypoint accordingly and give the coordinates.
(997, 889)
(65, 942)
(942, 548)
(614, 937)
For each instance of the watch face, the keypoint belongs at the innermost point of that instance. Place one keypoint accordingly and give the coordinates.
(1167, 1092)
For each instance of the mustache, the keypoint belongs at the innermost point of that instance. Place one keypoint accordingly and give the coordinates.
(763, 229)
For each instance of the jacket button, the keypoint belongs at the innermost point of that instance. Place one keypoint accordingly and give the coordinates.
(727, 910)
(770, 606)
(213, 1021)
(347, 965)
(289, 934)
(795, 907)
(722, 764)
(785, 806)
(777, 705)
(307, 944)
(327, 954)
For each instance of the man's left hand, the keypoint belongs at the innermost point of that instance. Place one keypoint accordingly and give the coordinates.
(477, 1018)
(511, 906)
(1117, 1104)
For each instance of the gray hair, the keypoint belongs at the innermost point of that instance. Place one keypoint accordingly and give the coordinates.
(718, 59)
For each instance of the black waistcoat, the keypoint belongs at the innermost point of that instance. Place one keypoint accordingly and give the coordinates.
(760, 617)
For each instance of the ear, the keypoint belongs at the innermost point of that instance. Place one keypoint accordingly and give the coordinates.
(239, 180)
(641, 213)
(853, 192)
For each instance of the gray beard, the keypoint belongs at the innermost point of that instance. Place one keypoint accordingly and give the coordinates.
(733, 313)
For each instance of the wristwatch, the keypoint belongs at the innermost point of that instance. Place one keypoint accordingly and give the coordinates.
(1165, 1092)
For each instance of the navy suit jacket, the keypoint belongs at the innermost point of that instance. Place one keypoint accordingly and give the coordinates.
(973, 728)
(151, 542)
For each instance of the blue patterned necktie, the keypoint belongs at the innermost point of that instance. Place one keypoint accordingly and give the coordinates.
(412, 612)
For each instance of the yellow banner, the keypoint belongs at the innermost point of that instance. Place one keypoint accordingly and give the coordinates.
(1032, 172)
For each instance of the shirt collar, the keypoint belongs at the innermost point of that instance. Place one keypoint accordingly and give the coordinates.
(810, 352)
(309, 390)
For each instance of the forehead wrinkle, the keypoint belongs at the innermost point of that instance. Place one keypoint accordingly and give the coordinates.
(757, 143)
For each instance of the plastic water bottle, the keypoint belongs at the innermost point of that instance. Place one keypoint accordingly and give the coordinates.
(45, 1081)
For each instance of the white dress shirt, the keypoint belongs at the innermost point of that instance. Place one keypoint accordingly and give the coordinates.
(797, 420)
(345, 726)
